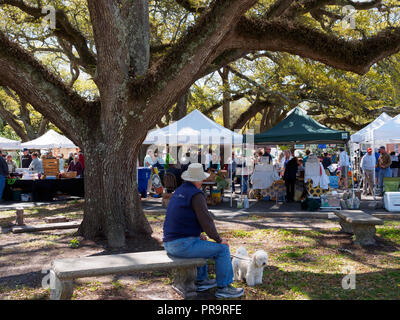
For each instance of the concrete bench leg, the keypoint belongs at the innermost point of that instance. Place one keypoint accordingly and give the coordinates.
(364, 234)
(346, 227)
(184, 279)
(60, 290)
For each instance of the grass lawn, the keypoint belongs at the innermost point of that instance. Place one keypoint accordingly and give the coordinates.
(303, 263)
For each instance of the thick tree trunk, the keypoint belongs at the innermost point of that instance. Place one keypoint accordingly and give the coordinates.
(112, 205)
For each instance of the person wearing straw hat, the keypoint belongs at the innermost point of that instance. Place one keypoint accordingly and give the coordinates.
(186, 218)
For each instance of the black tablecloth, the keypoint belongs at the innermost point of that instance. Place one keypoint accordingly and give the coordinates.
(45, 190)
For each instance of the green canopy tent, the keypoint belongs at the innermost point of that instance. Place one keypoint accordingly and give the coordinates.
(297, 128)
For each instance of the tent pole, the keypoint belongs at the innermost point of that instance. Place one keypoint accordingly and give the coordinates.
(346, 146)
(373, 151)
(231, 173)
(241, 187)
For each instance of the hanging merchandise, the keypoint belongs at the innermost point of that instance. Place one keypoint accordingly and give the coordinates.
(156, 182)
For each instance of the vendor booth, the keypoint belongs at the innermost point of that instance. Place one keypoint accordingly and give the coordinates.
(195, 129)
(296, 128)
(28, 185)
(387, 131)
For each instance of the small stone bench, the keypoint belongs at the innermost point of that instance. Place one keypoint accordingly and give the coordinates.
(64, 271)
(46, 227)
(359, 223)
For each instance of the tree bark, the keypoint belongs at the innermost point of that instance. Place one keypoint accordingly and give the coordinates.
(112, 205)
(226, 113)
(181, 108)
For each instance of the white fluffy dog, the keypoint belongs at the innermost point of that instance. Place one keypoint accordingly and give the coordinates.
(248, 268)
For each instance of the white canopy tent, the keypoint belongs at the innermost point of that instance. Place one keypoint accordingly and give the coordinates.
(364, 134)
(387, 133)
(8, 144)
(50, 140)
(195, 128)
(381, 131)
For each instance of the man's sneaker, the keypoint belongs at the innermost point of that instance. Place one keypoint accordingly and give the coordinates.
(205, 284)
(229, 292)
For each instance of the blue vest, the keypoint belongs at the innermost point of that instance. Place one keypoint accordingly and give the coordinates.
(180, 219)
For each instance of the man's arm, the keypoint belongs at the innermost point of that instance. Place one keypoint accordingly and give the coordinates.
(199, 205)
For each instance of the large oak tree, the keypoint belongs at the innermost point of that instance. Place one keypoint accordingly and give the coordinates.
(138, 80)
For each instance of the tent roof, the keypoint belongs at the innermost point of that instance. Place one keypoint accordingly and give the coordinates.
(49, 140)
(299, 127)
(363, 134)
(194, 128)
(388, 132)
(9, 144)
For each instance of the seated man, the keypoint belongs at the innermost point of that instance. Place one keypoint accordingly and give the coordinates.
(186, 218)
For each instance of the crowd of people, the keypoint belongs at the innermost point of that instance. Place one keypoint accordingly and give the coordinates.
(33, 161)
(381, 164)
(290, 167)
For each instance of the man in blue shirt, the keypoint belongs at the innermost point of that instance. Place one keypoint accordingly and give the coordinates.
(186, 218)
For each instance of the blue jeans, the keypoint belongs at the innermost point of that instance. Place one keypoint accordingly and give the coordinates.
(2, 185)
(244, 185)
(383, 173)
(193, 247)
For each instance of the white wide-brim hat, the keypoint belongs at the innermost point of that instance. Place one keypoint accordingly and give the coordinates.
(195, 173)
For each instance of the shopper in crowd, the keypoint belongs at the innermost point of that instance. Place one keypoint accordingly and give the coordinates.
(208, 160)
(76, 166)
(3, 174)
(36, 164)
(308, 152)
(384, 162)
(26, 158)
(326, 161)
(149, 159)
(394, 167)
(267, 153)
(12, 165)
(290, 174)
(368, 163)
(232, 166)
(61, 162)
(300, 166)
(70, 157)
(82, 161)
(377, 154)
(344, 163)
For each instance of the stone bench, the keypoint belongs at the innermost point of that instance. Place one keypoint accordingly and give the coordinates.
(46, 227)
(64, 271)
(359, 223)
